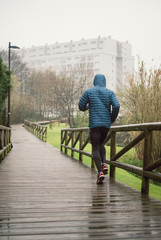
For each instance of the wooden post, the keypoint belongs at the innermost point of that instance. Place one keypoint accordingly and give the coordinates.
(72, 142)
(8, 148)
(5, 142)
(10, 139)
(41, 133)
(146, 161)
(66, 139)
(51, 124)
(45, 134)
(112, 153)
(1, 147)
(61, 148)
(80, 145)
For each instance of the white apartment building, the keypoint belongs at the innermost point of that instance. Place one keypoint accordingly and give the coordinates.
(98, 55)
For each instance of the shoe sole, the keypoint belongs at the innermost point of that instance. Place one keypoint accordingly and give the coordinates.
(105, 171)
(100, 180)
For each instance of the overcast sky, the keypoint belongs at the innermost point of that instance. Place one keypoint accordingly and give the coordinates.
(36, 22)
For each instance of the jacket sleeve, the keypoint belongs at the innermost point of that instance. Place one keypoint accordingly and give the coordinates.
(115, 107)
(83, 103)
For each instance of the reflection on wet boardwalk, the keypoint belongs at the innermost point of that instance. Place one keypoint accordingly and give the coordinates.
(46, 195)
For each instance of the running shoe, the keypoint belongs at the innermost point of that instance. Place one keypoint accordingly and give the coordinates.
(105, 169)
(100, 178)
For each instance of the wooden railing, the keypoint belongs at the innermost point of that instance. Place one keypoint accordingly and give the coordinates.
(5, 141)
(37, 129)
(70, 137)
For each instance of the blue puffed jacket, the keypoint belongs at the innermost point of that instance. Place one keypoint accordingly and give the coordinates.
(102, 103)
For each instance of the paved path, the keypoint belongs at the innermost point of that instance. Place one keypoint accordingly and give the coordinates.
(45, 195)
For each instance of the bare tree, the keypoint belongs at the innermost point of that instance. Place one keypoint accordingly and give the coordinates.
(17, 67)
(21, 105)
(39, 86)
(67, 91)
(54, 95)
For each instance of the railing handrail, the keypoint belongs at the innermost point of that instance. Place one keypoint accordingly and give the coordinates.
(4, 127)
(137, 127)
(37, 129)
(130, 127)
(5, 141)
(146, 129)
(76, 129)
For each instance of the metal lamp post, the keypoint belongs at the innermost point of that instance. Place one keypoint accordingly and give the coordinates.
(9, 61)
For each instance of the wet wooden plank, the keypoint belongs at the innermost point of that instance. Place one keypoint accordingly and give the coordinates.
(46, 195)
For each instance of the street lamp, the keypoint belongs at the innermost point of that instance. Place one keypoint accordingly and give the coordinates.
(9, 61)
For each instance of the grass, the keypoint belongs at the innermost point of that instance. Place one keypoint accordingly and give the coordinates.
(121, 175)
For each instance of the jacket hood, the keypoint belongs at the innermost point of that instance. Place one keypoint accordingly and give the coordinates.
(99, 80)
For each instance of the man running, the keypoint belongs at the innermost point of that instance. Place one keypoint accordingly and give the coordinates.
(103, 110)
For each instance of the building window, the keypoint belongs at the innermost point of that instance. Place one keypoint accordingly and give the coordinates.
(83, 59)
(90, 64)
(63, 61)
(89, 58)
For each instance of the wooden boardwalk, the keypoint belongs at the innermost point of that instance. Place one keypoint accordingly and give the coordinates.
(46, 195)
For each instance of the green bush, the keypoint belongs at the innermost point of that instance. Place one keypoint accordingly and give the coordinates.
(4, 84)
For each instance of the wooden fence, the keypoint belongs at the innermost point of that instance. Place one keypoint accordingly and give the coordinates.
(70, 137)
(5, 141)
(37, 129)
